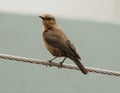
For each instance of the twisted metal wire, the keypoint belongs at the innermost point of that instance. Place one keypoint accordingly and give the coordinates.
(67, 66)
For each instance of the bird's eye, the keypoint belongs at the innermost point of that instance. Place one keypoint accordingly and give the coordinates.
(49, 18)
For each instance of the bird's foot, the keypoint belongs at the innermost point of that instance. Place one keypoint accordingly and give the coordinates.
(60, 64)
(50, 62)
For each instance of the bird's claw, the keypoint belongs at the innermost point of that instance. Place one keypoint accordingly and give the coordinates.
(60, 64)
(50, 61)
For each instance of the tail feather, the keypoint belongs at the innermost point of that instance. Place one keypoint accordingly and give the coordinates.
(79, 64)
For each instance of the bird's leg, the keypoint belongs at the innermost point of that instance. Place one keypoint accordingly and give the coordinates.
(50, 61)
(62, 62)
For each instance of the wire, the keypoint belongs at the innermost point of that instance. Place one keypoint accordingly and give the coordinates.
(67, 66)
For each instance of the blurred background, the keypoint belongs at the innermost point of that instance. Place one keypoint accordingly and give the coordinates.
(92, 25)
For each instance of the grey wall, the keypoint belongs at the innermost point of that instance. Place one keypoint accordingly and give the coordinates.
(98, 45)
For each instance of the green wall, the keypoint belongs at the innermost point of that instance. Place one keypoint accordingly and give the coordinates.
(97, 43)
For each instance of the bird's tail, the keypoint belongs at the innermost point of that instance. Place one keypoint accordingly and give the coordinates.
(79, 64)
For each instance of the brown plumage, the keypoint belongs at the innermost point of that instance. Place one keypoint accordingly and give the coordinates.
(57, 42)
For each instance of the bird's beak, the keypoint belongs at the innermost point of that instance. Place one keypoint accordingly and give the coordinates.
(41, 17)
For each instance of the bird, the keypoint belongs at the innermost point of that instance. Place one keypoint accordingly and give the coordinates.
(58, 43)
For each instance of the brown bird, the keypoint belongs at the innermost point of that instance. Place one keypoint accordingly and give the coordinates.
(57, 42)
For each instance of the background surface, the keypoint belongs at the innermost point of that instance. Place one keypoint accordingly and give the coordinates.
(97, 43)
(95, 10)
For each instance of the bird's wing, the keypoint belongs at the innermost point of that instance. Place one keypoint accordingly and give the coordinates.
(73, 49)
(58, 42)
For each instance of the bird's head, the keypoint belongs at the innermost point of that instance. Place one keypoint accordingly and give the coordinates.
(48, 20)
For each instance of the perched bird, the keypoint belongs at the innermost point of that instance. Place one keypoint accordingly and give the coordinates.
(57, 42)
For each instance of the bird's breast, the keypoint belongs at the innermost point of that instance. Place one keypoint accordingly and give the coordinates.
(53, 50)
